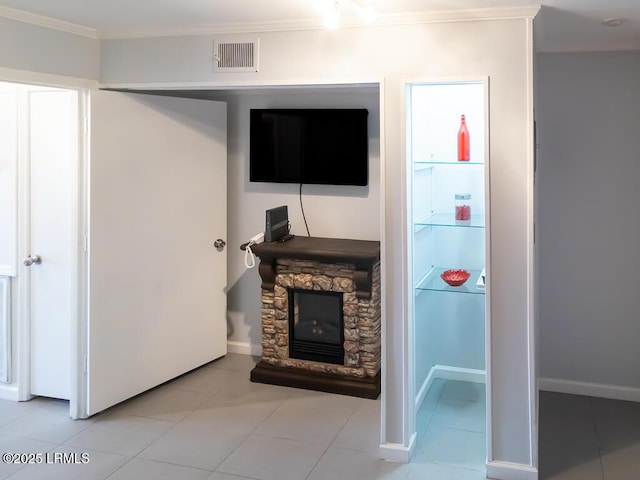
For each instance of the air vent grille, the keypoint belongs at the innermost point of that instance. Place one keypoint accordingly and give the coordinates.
(235, 56)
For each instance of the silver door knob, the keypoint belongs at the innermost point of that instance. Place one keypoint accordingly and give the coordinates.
(219, 244)
(32, 259)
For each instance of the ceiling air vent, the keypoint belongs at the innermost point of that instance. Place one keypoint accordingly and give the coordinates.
(235, 56)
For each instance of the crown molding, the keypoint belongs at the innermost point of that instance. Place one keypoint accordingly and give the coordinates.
(467, 15)
(279, 26)
(48, 22)
(46, 79)
(316, 24)
(211, 29)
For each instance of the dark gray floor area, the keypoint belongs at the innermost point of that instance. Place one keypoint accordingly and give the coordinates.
(588, 438)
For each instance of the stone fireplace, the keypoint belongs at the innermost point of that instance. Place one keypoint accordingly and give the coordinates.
(320, 315)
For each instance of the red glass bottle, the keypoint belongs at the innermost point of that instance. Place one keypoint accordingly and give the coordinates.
(463, 141)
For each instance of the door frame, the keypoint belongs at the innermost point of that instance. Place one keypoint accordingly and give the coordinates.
(78, 266)
(20, 319)
(79, 337)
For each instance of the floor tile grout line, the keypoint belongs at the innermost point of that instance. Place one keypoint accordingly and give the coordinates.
(248, 435)
(175, 426)
(344, 425)
(455, 466)
(23, 466)
(98, 450)
(54, 442)
(428, 422)
(332, 444)
(597, 437)
(252, 432)
(255, 432)
(318, 461)
(155, 440)
(177, 464)
(459, 429)
(171, 463)
(117, 469)
(33, 409)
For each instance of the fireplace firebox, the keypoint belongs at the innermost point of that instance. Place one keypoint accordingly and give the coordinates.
(316, 326)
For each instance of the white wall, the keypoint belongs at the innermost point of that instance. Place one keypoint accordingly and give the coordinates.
(38, 49)
(395, 55)
(588, 118)
(8, 178)
(331, 211)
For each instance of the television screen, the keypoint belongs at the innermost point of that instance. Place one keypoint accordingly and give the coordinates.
(319, 146)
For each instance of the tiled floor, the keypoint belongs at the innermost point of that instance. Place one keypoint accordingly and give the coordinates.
(212, 424)
(588, 438)
(451, 432)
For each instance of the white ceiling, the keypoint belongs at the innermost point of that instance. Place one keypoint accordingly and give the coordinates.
(562, 25)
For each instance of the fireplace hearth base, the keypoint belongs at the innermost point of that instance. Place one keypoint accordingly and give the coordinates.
(367, 387)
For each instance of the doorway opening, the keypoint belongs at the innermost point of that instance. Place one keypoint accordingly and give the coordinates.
(46, 152)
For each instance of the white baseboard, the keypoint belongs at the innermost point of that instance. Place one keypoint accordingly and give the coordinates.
(244, 348)
(602, 390)
(449, 373)
(426, 385)
(511, 471)
(9, 392)
(394, 452)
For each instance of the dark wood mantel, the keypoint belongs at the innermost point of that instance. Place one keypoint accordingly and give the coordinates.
(364, 254)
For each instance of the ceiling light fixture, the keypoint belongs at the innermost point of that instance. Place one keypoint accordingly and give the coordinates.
(613, 22)
(331, 10)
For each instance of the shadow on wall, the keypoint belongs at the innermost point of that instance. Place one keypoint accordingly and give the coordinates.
(243, 314)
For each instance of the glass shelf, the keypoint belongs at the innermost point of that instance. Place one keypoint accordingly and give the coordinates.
(433, 282)
(448, 220)
(417, 165)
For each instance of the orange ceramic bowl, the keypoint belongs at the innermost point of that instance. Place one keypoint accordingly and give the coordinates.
(455, 278)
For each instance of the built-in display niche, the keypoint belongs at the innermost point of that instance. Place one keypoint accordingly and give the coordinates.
(447, 146)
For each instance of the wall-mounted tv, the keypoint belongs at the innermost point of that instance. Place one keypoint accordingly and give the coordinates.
(318, 146)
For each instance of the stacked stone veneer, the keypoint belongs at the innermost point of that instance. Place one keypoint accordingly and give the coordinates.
(361, 316)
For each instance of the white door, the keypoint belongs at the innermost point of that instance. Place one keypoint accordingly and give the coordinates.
(157, 204)
(51, 147)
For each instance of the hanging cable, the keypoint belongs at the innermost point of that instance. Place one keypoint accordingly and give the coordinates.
(249, 257)
(303, 215)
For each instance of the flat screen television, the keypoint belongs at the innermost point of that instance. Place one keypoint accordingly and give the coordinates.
(317, 146)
